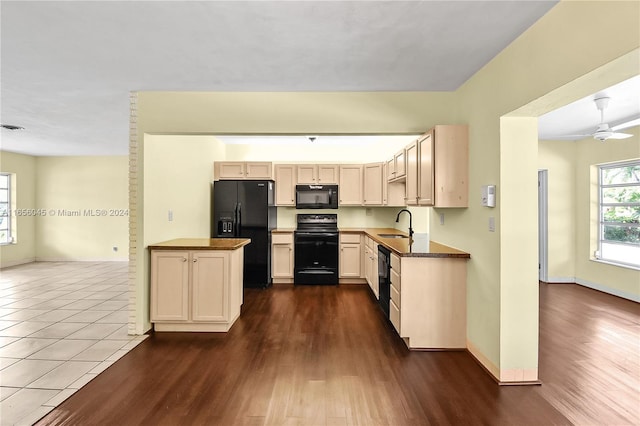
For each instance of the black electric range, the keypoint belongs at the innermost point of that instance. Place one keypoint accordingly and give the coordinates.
(316, 241)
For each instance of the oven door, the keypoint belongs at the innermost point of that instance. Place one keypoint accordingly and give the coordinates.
(316, 257)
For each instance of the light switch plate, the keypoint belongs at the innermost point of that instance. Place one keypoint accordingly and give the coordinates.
(492, 224)
(441, 218)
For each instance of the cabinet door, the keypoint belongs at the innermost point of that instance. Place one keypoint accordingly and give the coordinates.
(285, 184)
(169, 285)
(400, 164)
(373, 184)
(328, 173)
(350, 187)
(411, 188)
(282, 260)
(391, 169)
(425, 162)
(231, 170)
(307, 174)
(375, 278)
(451, 155)
(210, 289)
(259, 170)
(350, 258)
(367, 264)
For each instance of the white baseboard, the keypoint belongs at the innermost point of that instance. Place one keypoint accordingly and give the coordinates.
(609, 290)
(600, 287)
(17, 262)
(561, 280)
(83, 259)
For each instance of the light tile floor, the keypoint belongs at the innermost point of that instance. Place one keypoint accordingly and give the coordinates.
(61, 324)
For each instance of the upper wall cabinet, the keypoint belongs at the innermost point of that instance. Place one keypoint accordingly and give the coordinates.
(373, 179)
(397, 166)
(350, 186)
(285, 177)
(439, 166)
(318, 174)
(257, 170)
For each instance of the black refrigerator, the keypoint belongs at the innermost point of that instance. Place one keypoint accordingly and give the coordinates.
(246, 209)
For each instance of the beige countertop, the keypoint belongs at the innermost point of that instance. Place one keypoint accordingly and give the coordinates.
(201, 244)
(403, 247)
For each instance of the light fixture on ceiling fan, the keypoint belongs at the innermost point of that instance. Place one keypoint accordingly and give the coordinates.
(603, 131)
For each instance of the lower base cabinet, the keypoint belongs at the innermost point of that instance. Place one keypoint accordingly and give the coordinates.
(195, 290)
(431, 309)
(282, 258)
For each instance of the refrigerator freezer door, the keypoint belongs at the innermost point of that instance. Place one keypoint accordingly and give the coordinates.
(225, 196)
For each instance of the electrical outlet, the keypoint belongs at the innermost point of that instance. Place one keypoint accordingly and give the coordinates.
(170, 215)
(368, 211)
(492, 224)
(441, 218)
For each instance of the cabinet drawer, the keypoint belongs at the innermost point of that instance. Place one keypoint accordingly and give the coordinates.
(395, 296)
(394, 316)
(350, 238)
(395, 280)
(282, 238)
(395, 263)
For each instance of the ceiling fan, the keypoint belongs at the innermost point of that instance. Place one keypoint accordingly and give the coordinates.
(604, 131)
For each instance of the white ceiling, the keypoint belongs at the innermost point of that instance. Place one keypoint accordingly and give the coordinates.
(582, 116)
(67, 67)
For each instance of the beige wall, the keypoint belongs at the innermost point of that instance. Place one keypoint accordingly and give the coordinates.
(24, 250)
(572, 239)
(559, 159)
(177, 177)
(538, 72)
(89, 198)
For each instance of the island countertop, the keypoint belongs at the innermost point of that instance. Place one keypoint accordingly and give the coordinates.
(201, 244)
(406, 247)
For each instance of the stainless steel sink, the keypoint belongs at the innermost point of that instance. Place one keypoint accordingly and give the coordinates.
(392, 236)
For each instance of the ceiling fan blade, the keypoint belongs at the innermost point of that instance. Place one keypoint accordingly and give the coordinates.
(625, 125)
(619, 136)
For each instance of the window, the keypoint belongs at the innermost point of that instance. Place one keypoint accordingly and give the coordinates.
(619, 213)
(5, 208)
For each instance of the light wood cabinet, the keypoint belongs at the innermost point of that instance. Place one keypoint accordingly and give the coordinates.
(442, 168)
(393, 193)
(394, 301)
(397, 166)
(428, 301)
(350, 187)
(373, 180)
(350, 260)
(197, 290)
(411, 179)
(285, 177)
(170, 286)
(371, 264)
(318, 174)
(391, 169)
(282, 258)
(426, 170)
(257, 170)
(400, 164)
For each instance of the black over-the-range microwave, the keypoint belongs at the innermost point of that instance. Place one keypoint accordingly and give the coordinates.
(316, 196)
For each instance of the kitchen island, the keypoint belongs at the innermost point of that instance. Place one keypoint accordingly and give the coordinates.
(196, 283)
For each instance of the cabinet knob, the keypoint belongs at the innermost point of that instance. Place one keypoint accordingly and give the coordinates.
(184, 259)
(195, 260)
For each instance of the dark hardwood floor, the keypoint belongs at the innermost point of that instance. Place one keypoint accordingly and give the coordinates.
(326, 356)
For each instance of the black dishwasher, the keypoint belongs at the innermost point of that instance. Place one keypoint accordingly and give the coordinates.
(384, 275)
